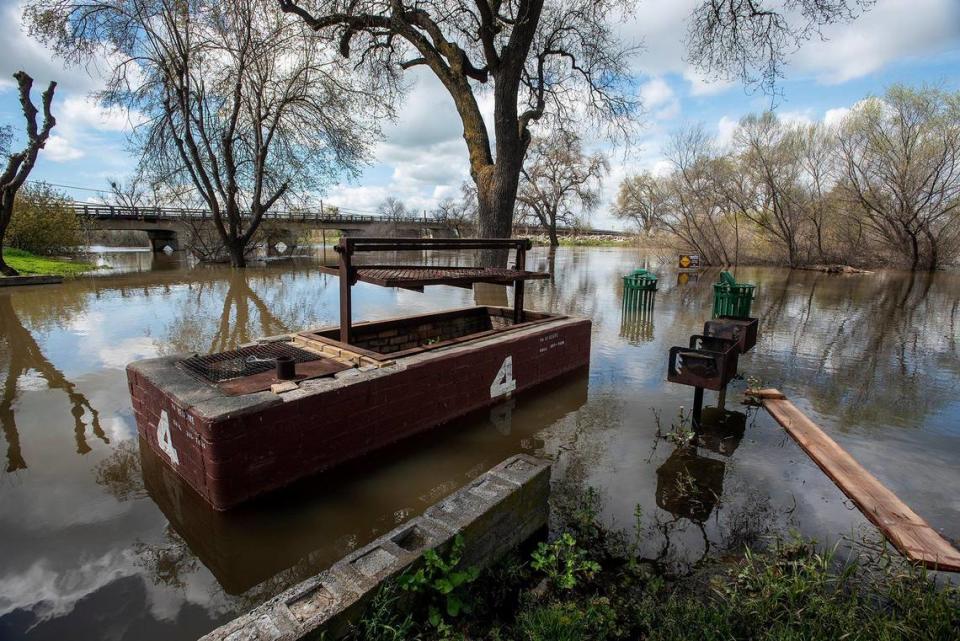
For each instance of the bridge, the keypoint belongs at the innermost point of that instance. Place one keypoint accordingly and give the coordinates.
(164, 226)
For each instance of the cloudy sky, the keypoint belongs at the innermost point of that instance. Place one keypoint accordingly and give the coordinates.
(423, 157)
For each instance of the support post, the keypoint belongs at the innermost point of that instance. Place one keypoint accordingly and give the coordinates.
(346, 284)
(518, 285)
(722, 398)
(697, 407)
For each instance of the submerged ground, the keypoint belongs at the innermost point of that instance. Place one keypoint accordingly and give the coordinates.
(101, 542)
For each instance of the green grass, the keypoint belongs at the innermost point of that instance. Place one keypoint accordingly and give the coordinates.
(794, 591)
(32, 265)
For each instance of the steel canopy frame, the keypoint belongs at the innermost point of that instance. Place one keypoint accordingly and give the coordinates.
(416, 277)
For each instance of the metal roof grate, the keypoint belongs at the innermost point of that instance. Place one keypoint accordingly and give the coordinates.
(246, 361)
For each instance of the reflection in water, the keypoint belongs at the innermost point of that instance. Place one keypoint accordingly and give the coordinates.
(688, 485)
(721, 430)
(95, 547)
(23, 354)
(690, 481)
(234, 327)
(636, 319)
(247, 546)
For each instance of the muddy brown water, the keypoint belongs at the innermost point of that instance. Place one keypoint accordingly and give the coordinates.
(99, 541)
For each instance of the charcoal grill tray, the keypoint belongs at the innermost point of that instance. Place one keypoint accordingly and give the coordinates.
(246, 361)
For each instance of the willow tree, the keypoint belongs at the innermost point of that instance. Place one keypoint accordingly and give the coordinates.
(20, 163)
(901, 167)
(240, 105)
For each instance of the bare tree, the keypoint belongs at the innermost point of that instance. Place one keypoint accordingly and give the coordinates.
(136, 192)
(20, 163)
(460, 214)
(241, 105)
(393, 209)
(750, 40)
(550, 60)
(543, 60)
(764, 186)
(560, 183)
(695, 211)
(901, 158)
(820, 165)
(641, 200)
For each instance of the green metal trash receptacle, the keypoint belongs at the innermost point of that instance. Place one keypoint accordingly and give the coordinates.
(639, 287)
(731, 298)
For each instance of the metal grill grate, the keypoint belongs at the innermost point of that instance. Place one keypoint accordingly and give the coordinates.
(245, 361)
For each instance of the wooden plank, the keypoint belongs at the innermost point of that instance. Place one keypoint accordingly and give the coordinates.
(903, 527)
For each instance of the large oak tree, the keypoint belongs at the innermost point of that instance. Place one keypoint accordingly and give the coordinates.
(558, 61)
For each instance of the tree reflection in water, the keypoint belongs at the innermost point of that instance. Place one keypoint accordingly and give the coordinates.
(23, 355)
(243, 316)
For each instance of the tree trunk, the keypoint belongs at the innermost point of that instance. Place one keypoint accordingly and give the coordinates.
(915, 252)
(5, 216)
(236, 249)
(6, 269)
(552, 230)
(496, 197)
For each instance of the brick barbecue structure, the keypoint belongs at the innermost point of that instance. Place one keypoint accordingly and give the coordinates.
(232, 431)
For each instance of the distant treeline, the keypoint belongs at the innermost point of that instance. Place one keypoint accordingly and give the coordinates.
(882, 186)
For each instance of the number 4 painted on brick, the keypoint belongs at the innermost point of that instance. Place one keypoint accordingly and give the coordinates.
(503, 382)
(164, 440)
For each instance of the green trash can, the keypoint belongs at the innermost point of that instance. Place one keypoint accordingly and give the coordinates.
(731, 298)
(639, 287)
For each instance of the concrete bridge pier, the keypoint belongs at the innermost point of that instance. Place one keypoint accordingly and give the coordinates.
(163, 238)
(281, 243)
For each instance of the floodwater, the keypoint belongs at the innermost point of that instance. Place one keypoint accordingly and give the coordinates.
(98, 540)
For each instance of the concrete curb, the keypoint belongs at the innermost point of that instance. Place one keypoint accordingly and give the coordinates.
(14, 281)
(494, 514)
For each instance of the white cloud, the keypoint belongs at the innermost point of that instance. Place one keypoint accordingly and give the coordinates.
(725, 130)
(834, 117)
(655, 93)
(891, 30)
(20, 51)
(79, 112)
(789, 117)
(59, 149)
(658, 98)
(700, 85)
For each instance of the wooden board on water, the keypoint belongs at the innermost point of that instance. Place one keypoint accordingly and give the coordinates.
(903, 527)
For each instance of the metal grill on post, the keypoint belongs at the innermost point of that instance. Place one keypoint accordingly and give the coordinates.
(416, 277)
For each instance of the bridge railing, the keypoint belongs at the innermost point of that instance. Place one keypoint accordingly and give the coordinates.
(115, 212)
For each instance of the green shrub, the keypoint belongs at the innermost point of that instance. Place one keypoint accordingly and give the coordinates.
(42, 223)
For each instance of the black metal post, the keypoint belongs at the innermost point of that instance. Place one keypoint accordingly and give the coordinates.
(346, 284)
(518, 285)
(697, 406)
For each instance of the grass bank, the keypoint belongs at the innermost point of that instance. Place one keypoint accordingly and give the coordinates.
(586, 241)
(588, 584)
(30, 264)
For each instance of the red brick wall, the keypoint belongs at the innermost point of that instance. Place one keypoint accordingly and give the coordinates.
(231, 460)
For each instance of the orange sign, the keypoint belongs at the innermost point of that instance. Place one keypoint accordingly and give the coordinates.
(689, 260)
